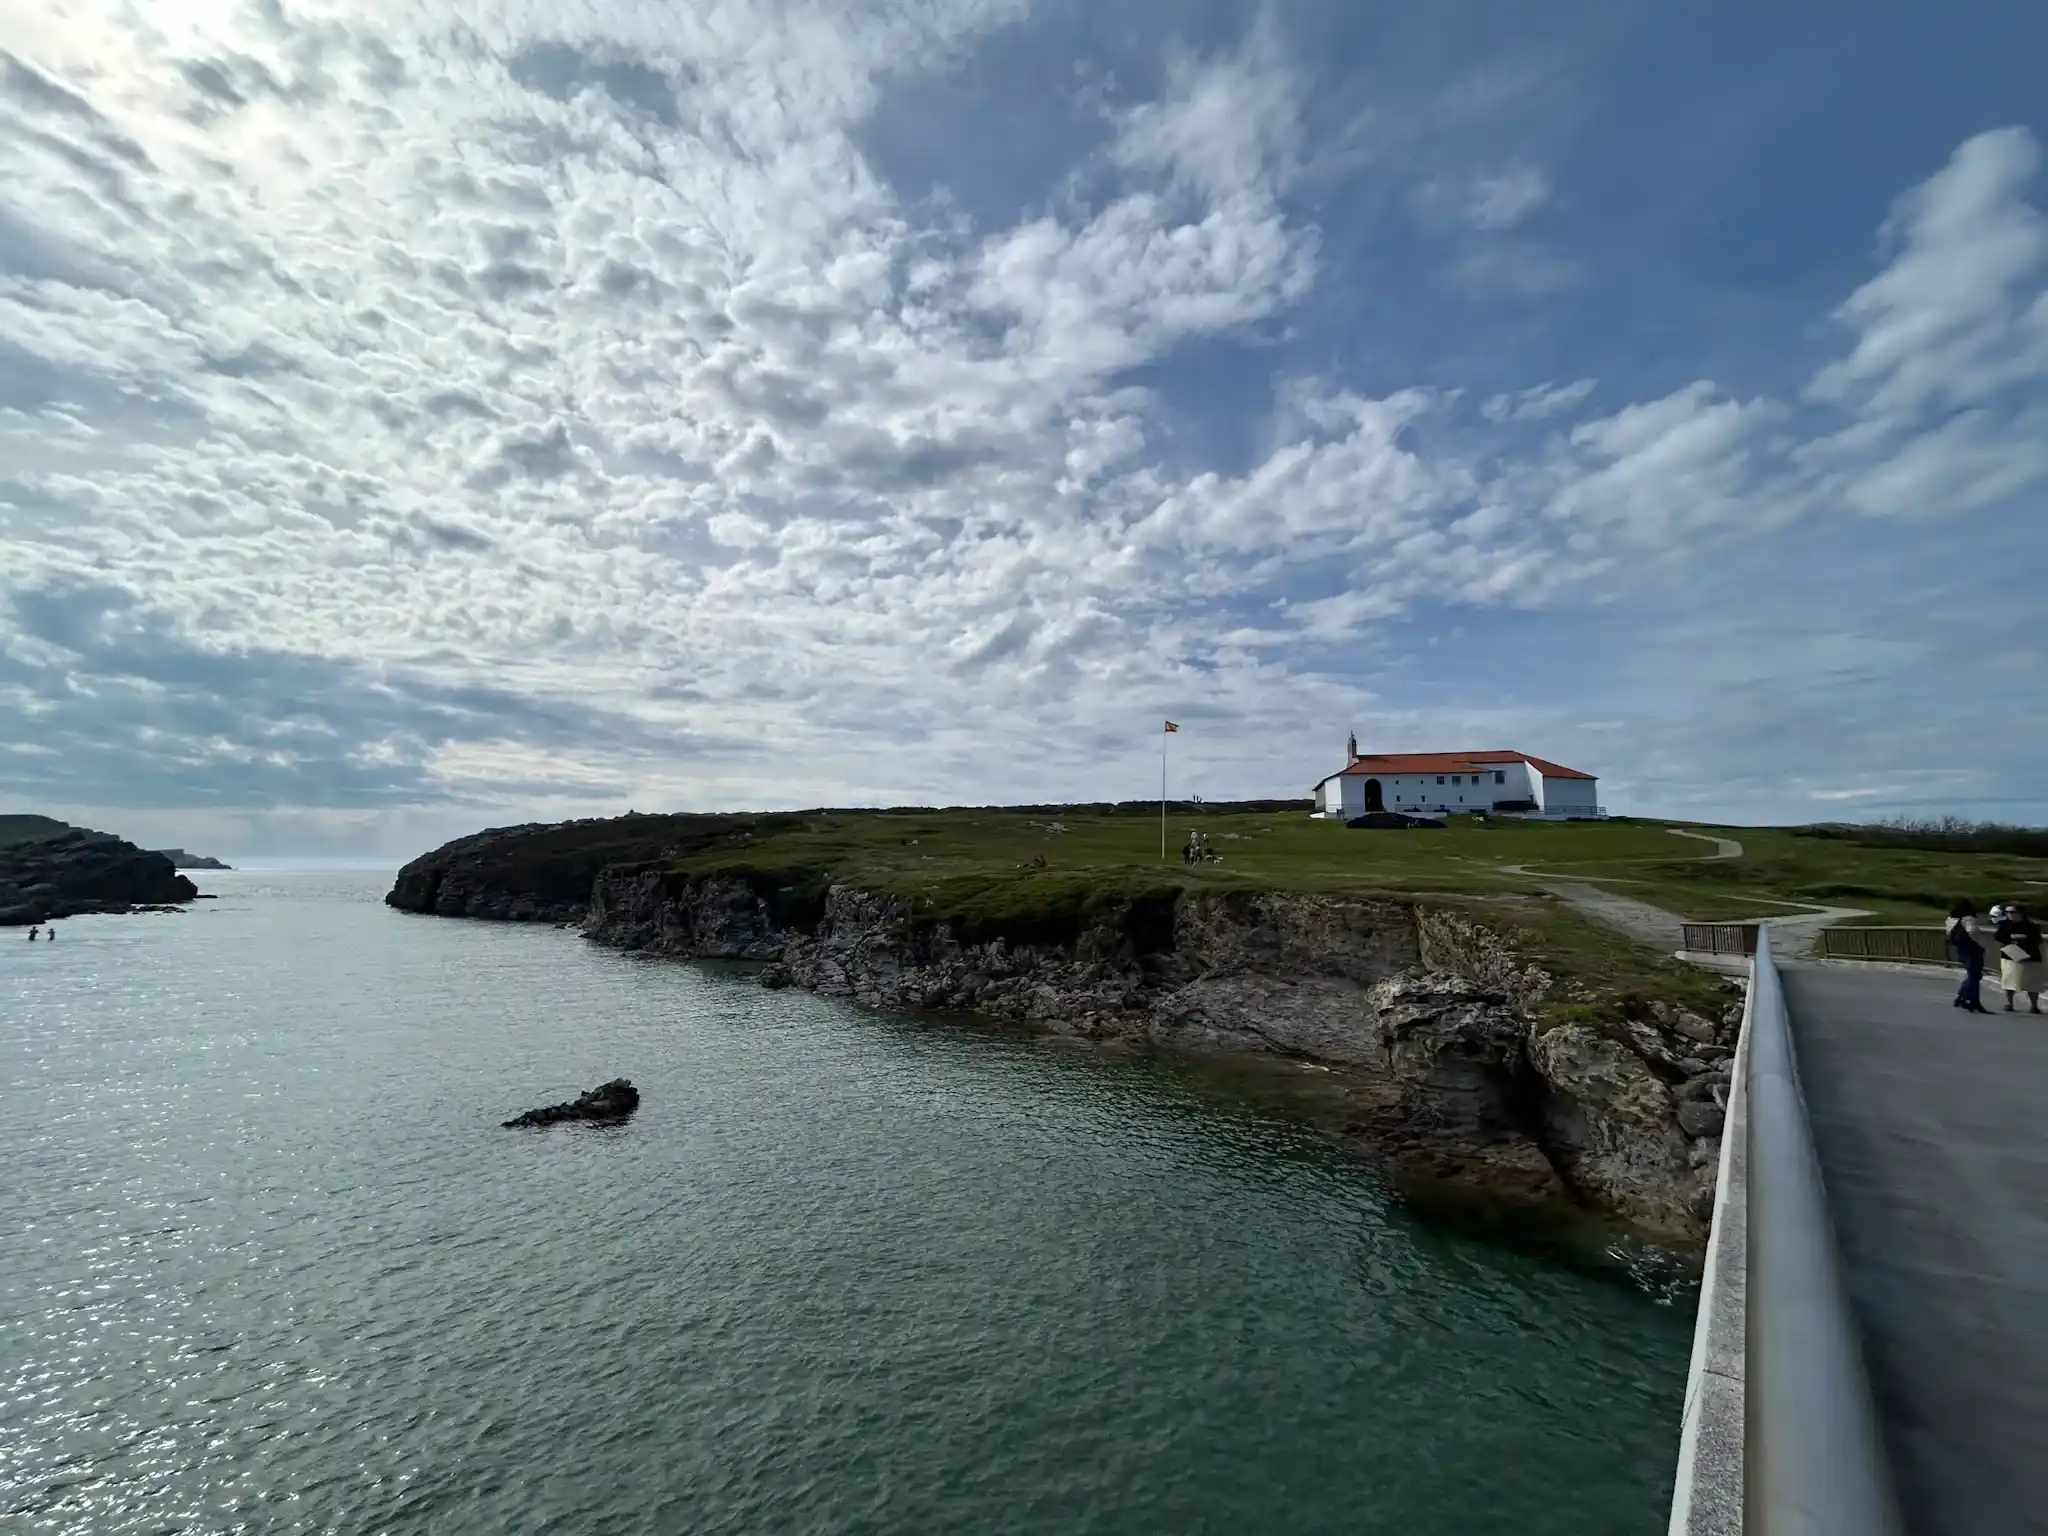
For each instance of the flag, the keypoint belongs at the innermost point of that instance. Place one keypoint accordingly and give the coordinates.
(1171, 726)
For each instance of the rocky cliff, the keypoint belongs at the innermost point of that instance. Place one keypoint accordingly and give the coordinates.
(75, 871)
(543, 872)
(1455, 1054)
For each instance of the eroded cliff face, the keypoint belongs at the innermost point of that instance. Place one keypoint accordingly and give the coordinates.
(1441, 1035)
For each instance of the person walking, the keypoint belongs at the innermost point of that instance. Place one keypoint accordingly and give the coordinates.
(2019, 957)
(1969, 953)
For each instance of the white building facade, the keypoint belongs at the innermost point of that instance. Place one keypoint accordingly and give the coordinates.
(1445, 783)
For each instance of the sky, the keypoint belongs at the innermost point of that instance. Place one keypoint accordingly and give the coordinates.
(416, 417)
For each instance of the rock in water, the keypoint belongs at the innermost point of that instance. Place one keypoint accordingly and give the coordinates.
(71, 870)
(614, 1100)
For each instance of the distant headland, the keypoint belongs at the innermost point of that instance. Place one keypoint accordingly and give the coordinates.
(180, 859)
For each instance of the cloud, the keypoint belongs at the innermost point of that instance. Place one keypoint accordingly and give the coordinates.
(1490, 201)
(1228, 126)
(1539, 402)
(1957, 316)
(523, 407)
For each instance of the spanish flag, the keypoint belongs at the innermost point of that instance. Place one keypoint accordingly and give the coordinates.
(1171, 726)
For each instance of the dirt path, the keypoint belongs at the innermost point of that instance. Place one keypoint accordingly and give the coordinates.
(1724, 847)
(1792, 933)
(1661, 930)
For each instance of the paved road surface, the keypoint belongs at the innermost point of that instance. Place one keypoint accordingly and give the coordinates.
(1932, 1130)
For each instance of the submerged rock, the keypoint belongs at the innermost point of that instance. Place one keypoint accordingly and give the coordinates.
(610, 1101)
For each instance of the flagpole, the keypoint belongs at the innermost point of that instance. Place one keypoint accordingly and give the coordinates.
(1162, 795)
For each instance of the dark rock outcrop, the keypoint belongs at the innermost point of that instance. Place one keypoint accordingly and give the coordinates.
(543, 872)
(76, 871)
(608, 1102)
(180, 859)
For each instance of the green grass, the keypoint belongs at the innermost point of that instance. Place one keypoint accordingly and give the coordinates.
(1044, 876)
(1605, 968)
(914, 852)
(1784, 870)
(983, 862)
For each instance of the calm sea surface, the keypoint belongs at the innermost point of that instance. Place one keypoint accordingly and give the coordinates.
(268, 1263)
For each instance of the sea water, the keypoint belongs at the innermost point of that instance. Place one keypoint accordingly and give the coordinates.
(269, 1263)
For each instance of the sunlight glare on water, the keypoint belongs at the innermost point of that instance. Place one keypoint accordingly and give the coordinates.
(271, 1264)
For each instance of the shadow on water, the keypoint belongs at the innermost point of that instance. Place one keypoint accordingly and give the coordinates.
(1316, 1103)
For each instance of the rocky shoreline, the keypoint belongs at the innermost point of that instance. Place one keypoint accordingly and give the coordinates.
(1457, 1057)
(1447, 1047)
(75, 871)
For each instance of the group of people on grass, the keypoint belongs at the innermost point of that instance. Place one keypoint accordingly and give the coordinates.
(2018, 938)
(1197, 850)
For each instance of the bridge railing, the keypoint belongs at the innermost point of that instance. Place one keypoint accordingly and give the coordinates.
(1916, 946)
(1721, 938)
(1780, 1434)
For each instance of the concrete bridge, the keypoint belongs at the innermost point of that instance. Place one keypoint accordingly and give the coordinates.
(1871, 1355)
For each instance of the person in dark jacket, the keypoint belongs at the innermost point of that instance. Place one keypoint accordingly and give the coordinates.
(2019, 957)
(1969, 953)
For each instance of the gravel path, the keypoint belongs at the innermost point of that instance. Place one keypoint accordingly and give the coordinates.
(1724, 847)
(1792, 934)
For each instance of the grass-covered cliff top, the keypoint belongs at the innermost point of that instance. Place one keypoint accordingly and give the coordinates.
(1044, 873)
(969, 861)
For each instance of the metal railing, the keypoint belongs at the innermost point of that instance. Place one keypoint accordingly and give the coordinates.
(1914, 946)
(1804, 1457)
(1721, 938)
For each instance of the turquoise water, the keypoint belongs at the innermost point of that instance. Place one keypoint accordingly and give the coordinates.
(271, 1265)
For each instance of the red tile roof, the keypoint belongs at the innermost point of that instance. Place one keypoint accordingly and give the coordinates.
(1455, 762)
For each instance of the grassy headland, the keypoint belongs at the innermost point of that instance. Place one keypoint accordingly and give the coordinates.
(1043, 874)
(996, 864)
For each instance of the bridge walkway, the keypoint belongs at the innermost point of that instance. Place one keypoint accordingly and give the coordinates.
(1931, 1130)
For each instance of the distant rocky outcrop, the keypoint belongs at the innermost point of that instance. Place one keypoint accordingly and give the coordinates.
(180, 859)
(75, 871)
(610, 1101)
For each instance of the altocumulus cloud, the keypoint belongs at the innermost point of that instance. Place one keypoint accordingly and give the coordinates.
(408, 418)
